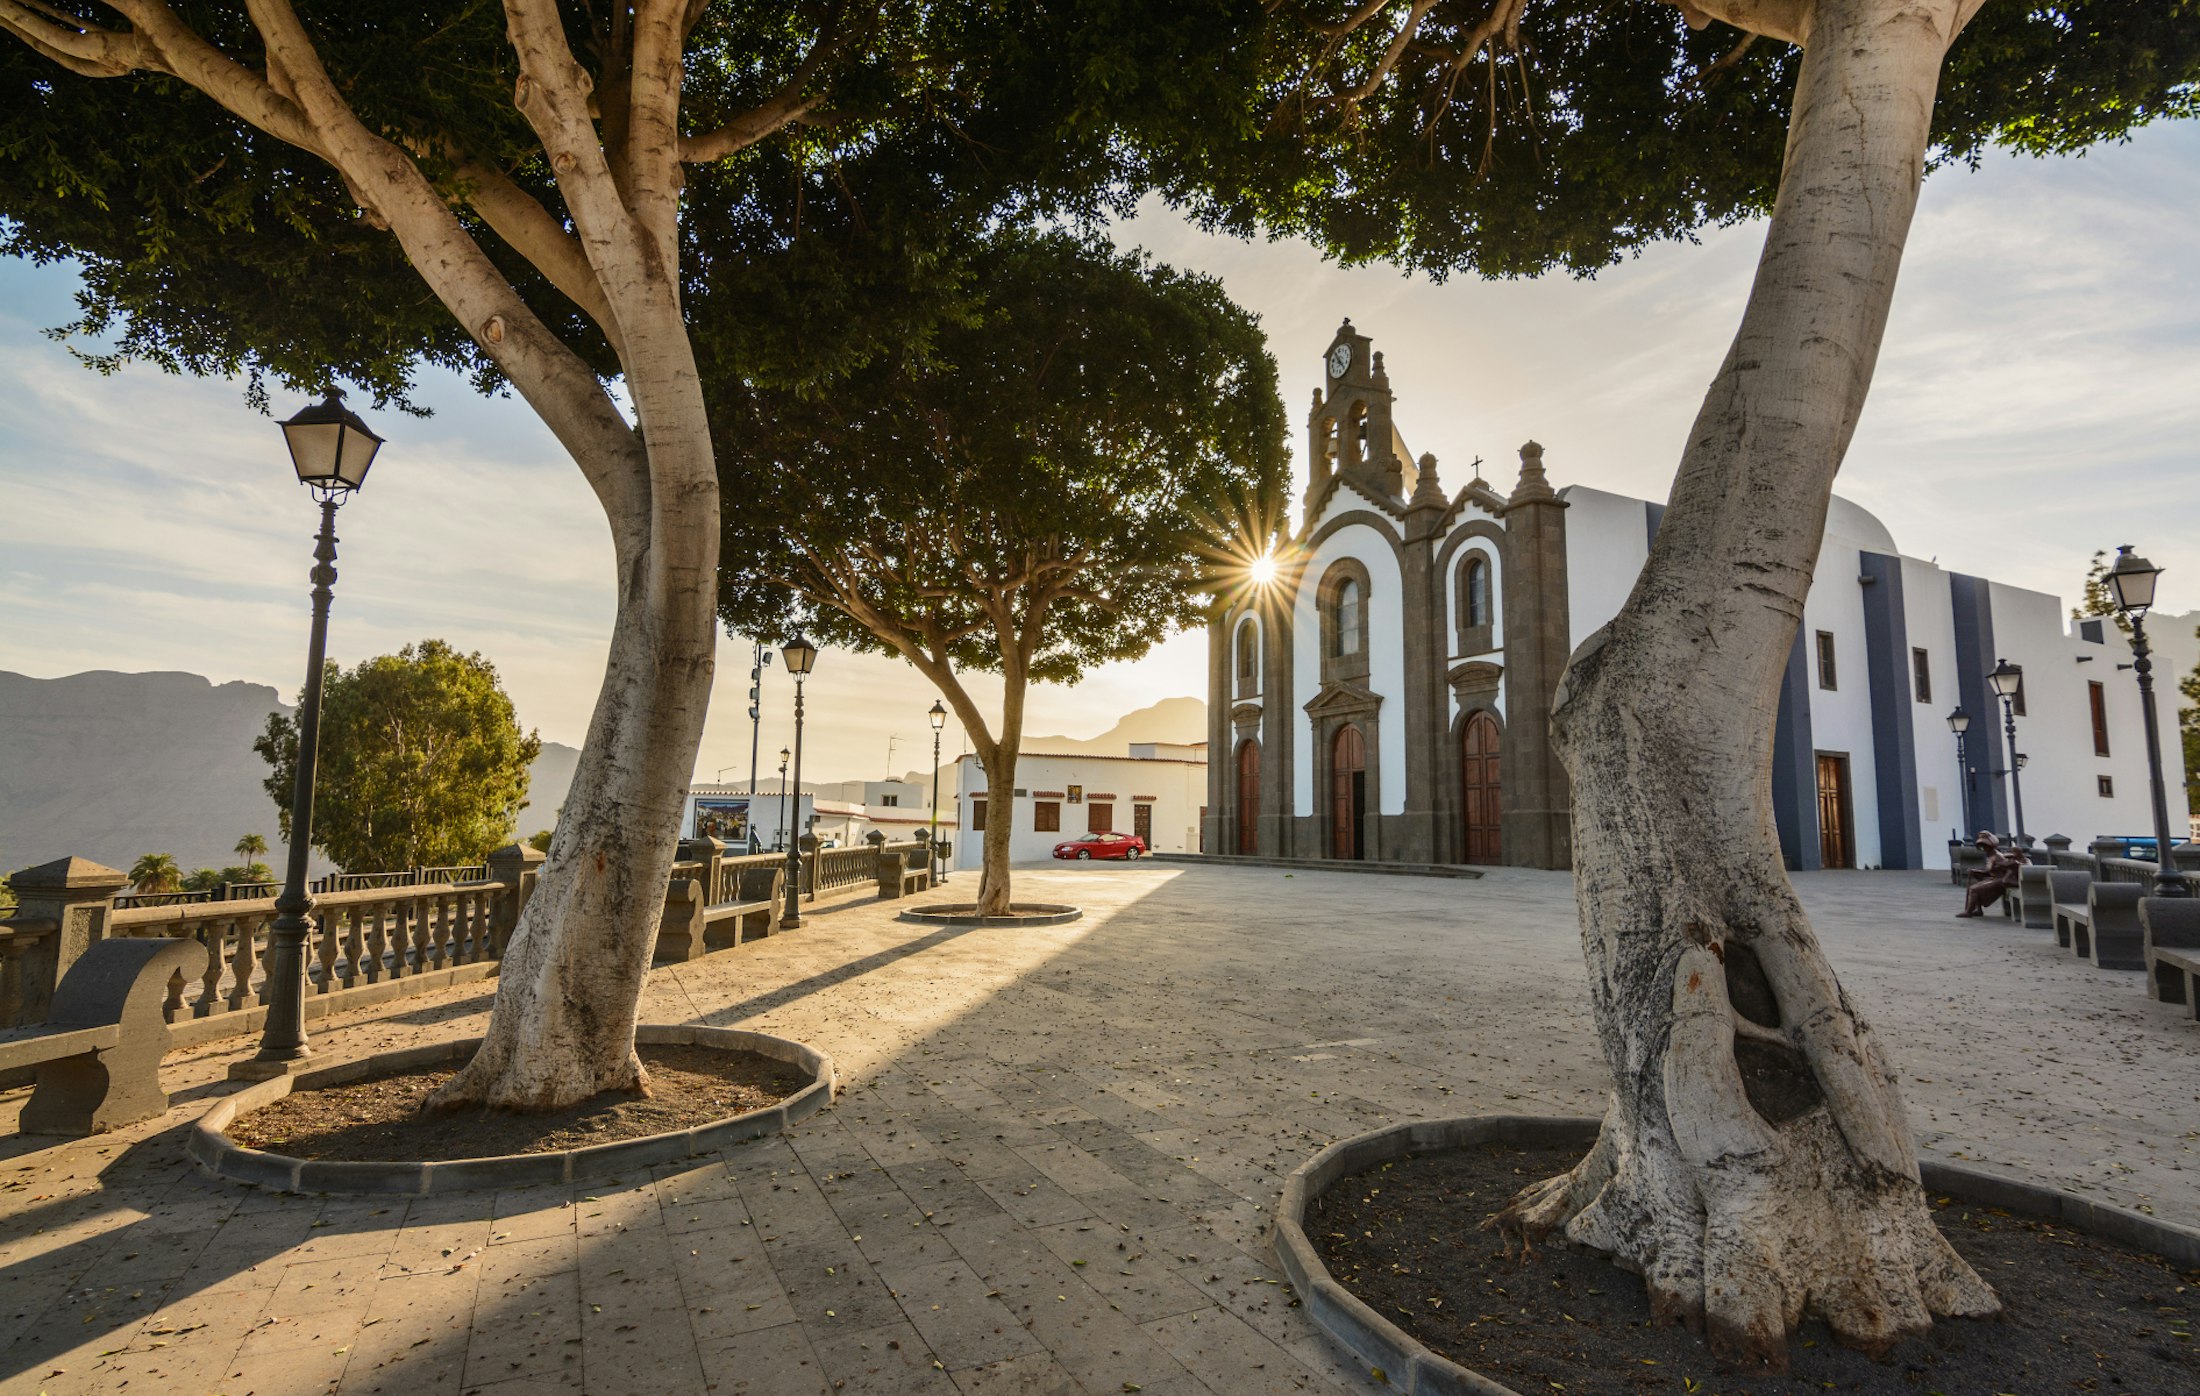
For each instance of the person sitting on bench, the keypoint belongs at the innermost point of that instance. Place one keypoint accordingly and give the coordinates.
(1996, 880)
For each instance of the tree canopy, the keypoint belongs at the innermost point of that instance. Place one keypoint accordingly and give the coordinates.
(1054, 466)
(1510, 137)
(422, 761)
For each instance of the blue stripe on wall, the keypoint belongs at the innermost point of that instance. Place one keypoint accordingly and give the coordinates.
(1973, 611)
(1795, 767)
(1894, 736)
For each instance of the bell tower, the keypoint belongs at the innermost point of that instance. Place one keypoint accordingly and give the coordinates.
(1348, 430)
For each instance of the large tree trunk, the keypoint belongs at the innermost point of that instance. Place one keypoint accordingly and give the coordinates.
(562, 1026)
(1000, 808)
(1755, 1162)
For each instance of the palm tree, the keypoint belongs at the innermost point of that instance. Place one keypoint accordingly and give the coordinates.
(156, 872)
(251, 848)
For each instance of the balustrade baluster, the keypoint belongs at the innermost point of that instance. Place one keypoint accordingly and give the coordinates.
(440, 920)
(241, 960)
(326, 927)
(377, 942)
(212, 936)
(355, 940)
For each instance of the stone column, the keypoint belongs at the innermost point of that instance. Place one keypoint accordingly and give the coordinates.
(1277, 831)
(1424, 699)
(1538, 814)
(76, 894)
(1221, 743)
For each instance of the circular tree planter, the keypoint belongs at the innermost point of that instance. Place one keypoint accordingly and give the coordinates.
(218, 1154)
(1416, 1371)
(1019, 914)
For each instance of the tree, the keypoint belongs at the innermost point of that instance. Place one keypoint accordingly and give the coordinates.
(251, 848)
(423, 763)
(1035, 491)
(1755, 1163)
(2094, 600)
(516, 192)
(156, 872)
(2188, 727)
(208, 879)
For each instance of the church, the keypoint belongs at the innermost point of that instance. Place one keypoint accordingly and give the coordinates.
(1387, 695)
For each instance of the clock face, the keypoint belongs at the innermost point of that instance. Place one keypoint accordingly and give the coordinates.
(1340, 359)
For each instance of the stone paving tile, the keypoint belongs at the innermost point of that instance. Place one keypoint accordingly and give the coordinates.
(1127, 1090)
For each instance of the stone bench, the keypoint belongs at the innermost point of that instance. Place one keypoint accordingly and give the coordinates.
(2066, 904)
(2169, 929)
(2036, 896)
(691, 929)
(98, 1053)
(902, 871)
(2111, 931)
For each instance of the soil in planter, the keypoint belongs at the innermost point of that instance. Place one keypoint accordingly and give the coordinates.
(2078, 1314)
(379, 1118)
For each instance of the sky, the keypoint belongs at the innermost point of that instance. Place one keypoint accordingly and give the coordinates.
(2038, 397)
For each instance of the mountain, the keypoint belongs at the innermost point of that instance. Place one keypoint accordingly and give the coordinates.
(107, 766)
(1175, 720)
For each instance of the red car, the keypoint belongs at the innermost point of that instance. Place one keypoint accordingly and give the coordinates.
(1102, 846)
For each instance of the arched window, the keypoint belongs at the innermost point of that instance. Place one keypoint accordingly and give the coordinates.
(1356, 438)
(1248, 660)
(1350, 624)
(1474, 591)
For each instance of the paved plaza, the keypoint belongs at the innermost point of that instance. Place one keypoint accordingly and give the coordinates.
(1053, 1160)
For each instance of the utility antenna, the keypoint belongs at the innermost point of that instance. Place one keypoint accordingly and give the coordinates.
(891, 742)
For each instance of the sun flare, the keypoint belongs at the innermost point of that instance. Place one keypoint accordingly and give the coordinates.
(1263, 570)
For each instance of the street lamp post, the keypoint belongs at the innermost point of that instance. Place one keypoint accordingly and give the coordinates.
(781, 832)
(938, 715)
(2006, 679)
(800, 654)
(1959, 722)
(2131, 581)
(331, 449)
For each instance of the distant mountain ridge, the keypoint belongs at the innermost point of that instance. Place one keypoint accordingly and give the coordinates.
(1178, 721)
(107, 766)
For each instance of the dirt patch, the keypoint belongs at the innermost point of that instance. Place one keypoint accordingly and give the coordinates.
(2079, 1314)
(379, 1119)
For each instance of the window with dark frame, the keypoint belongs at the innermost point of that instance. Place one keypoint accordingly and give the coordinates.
(1046, 816)
(2107, 786)
(1349, 615)
(1474, 592)
(1921, 675)
(1826, 678)
(2098, 697)
(2016, 700)
(1099, 817)
(977, 816)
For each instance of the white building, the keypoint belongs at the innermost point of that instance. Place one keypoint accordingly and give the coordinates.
(1157, 791)
(1388, 697)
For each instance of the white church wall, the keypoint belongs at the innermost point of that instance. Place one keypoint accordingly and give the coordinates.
(1607, 542)
(1386, 660)
(1841, 717)
(1928, 618)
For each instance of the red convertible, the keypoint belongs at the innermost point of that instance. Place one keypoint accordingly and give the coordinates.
(1102, 846)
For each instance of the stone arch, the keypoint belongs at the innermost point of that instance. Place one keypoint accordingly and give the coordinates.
(1245, 657)
(1341, 602)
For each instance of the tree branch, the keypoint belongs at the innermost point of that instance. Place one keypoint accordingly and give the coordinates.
(776, 112)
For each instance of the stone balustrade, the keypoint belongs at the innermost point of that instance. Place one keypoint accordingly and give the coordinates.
(375, 935)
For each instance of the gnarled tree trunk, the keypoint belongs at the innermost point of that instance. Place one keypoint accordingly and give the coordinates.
(1755, 1163)
(1000, 813)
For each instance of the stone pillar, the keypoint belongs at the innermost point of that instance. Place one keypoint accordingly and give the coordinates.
(1426, 708)
(76, 894)
(710, 853)
(1221, 740)
(1277, 832)
(1538, 814)
(519, 867)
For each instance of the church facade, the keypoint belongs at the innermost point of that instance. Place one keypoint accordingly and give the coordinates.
(1387, 695)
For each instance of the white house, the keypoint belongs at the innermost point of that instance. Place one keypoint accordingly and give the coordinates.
(1156, 791)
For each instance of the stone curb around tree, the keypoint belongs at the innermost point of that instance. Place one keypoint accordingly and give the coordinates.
(1412, 1369)
(964, 914)
(222, 1157)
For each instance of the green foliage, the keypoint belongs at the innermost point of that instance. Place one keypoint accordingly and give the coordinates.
(540, 840)
(7, 896)
(422, 761)
(1611, 125)
(207, 879)
(2188, 727)
(251, 848)
(2095, 599)
(1051, 470)
(156, 872)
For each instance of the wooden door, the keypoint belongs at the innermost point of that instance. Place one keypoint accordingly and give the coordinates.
(1248, 797)
(1479, 806)
(1348, 798)
(1142, 824)
(1836, 844)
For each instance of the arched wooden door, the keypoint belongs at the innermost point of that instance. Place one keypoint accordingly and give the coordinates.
(1480, 808)
(1348, 794)
(1248, 796)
